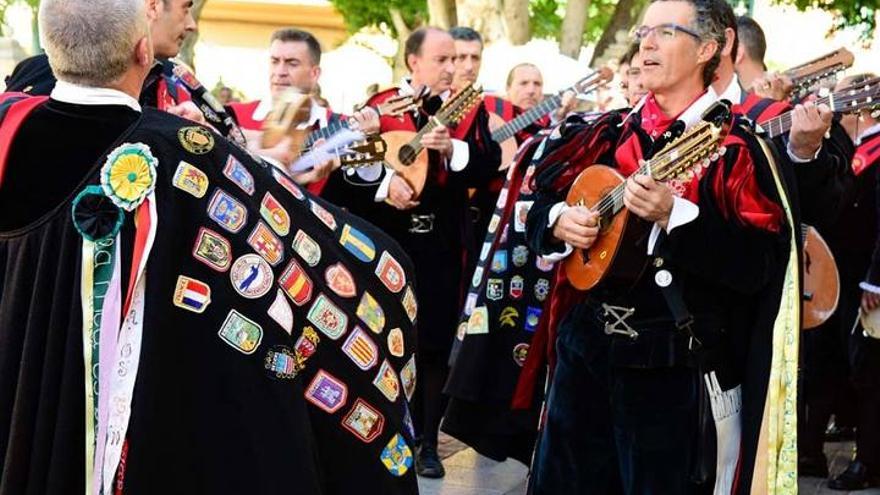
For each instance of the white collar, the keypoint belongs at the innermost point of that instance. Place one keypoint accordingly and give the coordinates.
(694, 113)
(406, 89)
(870, 131)
(734, 91)
(317, 113)
(85, 95)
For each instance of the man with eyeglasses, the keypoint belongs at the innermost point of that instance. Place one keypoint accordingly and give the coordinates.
(642, 370)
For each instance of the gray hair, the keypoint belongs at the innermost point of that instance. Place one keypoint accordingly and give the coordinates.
(91, 42)
(711, 19)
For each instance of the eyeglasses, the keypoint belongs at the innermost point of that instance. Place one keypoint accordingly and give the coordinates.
(665, 32)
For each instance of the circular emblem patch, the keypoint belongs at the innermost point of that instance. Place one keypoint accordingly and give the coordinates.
(251, 276)
(519, 354)
(195, 139)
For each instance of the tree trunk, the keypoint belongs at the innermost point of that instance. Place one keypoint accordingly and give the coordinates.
(187, 53)
(516, 18)
(484, 16)
(572, 36)
(403, 31)
(441, 13)
(625, 15)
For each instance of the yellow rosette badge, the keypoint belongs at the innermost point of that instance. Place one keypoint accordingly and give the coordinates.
(129, 175)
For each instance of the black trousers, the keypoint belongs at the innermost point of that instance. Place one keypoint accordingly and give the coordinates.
(610, 429)
(865, 361)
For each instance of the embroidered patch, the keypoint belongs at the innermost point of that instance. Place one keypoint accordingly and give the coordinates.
(499, 261)
(408, 422)
(190, 179)
(340, 280)
(533, 317)
(213, 250)
(493, 223)
(395, 342)
(264, 242)
(503, 238)
(281, 312)
(542, 288)
(186, 77)
(280, 362)
(288, 184)
(461, 331)
(516, 287)
(478, 323)
(520, 256)
(364, 421)
(522, 212)
(543, 265)
(195, 139)
(227, 211)
(478, 276)
(306, 344)
(361, 349)
(329, 319)
(397, 457)
(296, 283)
(192, 294)
(508, 317)
(307, 248)
(239, 175)
(520, 352)
(386, 381)
(357, 243)
(251, 276)
(484, 251)
(470, 303)
(410, 304)
(241, 333)
(371, 313)
(390, 273)
(494, 289)
(326, 392)
(323, 215)
(502, 198)
(275, 215)
(408, 377)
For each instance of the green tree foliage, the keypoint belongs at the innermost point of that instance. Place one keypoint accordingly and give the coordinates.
(360, 13)
(859, 14)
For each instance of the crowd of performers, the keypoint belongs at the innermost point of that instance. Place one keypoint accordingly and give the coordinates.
(199, 297)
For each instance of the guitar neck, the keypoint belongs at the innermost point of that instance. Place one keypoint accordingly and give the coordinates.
(781, 124)
(325, 132)
(526, 118)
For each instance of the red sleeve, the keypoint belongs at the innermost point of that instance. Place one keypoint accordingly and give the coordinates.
(738, 194)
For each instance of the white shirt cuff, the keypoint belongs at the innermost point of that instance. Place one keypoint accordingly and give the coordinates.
(796, 159)
(555, 211)
(869, 287)
(368, 174)
(683, 211)
(460, 156)
(382, 192)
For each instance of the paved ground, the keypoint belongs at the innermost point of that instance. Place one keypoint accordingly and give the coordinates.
(468, 473)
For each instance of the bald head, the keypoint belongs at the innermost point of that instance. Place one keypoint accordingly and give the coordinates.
(525, 85)
(430, 56)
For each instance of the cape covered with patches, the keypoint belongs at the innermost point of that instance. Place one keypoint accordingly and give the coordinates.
(239, 335)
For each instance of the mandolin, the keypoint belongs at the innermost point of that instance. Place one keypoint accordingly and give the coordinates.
(808, 75)
(821, 280)
(504, 132)
(615, 256)
(405, 153)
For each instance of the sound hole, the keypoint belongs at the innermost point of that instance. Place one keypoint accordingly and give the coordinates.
(407, 154)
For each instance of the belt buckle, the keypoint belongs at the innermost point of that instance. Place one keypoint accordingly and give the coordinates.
(421, 224)
(619, 325)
